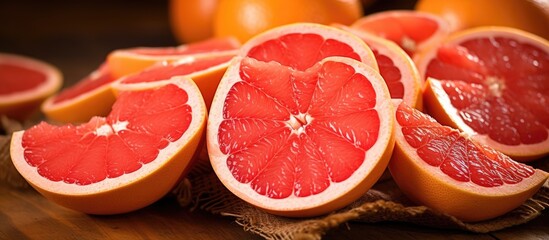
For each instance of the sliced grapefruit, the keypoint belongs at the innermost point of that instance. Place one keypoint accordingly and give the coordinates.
(132, 60)
(395, 66)
(441, 168)
(26, 82)
(493, 84)
(413, 31)
(206, 72)
(118, 163)
(296, 131)
(91, 96)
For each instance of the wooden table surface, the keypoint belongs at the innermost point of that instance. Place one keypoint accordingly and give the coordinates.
(76, 36)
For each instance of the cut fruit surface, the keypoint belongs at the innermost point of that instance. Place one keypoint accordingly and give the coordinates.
(395, 66)
(89, 97)
(413, 31)
(121, 162)
(26, 82)
(493, 84)
(127, 61)
(296, 131)
(206, 72)
(439, 167)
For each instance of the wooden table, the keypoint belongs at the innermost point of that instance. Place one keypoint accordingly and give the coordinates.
(76, 36)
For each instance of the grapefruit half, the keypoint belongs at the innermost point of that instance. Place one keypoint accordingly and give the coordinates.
(441, 168)
(132, 60)
(493, 84)
(298, 126)
(26, 82)
(118, 163)
(206, 72)
(413, 31)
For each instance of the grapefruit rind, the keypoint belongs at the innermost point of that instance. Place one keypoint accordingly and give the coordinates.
(129, 191)
(19, 105)
(438, 104)
(427, 185)
(337, 195)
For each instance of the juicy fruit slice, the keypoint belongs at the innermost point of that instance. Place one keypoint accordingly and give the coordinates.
(122, 162)
(127, 61)
(395, 66)
(91, 96)
(440, 168)
(206, 72)
(413, 31)
(301, 45)
(494, 87)
(300, 142)
(26, 82)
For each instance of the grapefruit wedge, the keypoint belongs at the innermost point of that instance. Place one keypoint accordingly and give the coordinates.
(493, 84)
(441, 168)
(413, 31)
(395, 66)
(89, 97)
(132, 60)
(121, 162)
(295, 130)
(206, 72)
(26, 83)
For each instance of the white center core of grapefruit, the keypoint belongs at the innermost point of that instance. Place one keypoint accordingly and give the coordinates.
(496, 85)
(299, 121)
(107, 129)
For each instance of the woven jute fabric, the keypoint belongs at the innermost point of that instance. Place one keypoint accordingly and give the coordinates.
(384, 202)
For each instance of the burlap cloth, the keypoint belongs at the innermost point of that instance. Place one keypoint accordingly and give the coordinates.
(384, 202)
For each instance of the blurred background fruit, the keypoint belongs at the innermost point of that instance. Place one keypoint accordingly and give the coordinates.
(528, 15)
(193, 20)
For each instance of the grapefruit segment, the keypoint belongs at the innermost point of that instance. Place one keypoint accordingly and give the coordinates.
(441, 168)
(298, 163)
(492, 84)
(26, 83)
(118, 163)
(127, 61)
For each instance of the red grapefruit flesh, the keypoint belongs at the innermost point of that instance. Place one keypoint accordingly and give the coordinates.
(493, 84)
(439, 167)
(25, 82)
(295, 132)
(118, 163)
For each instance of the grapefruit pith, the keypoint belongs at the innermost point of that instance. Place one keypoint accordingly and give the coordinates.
(492, 83)
(118, 163)
(439, 167)
(25, 82)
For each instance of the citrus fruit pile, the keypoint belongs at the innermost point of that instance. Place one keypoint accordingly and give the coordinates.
(303, 119)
